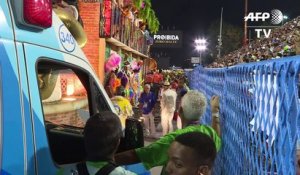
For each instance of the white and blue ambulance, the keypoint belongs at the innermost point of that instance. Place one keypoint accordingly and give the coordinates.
(47, 90)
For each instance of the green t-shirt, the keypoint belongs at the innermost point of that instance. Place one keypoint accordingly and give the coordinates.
(156, 154)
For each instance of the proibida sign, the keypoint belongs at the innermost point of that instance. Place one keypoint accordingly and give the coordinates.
(168, 39)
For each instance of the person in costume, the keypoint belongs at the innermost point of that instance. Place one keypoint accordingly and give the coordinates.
(123, 104)
(114, 82)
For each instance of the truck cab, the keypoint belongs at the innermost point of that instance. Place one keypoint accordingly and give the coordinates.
(48, 90)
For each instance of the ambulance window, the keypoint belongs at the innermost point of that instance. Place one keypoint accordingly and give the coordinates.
(100, 100)
(64, 97)
(65, 93)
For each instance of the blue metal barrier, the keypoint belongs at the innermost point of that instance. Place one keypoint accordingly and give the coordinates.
(259, 115)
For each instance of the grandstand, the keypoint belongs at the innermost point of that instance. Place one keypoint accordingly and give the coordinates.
(284, 41)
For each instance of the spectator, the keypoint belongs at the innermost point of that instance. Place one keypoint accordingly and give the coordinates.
(193, 106)
(283, 41)
(102, 134)
(191, 153)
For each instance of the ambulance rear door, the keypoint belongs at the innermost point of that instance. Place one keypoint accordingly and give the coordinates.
(13, 148)
(64, 92)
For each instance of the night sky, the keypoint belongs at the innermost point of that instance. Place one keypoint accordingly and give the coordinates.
(193, 17)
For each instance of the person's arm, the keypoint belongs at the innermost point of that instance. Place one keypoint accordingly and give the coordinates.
(216, 123)
(215, 108)
(163, 100)
(152, 155)
(141, 101)
(127, 157)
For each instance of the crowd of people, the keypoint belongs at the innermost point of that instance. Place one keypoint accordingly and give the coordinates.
(171, 150)
(283, 41)
(187, 151)
(157, 96)
(167, 89)
(186, 147)
(123, 84)
(191, 149)
(168, 92)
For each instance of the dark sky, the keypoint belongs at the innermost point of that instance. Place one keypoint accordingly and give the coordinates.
(193, 17)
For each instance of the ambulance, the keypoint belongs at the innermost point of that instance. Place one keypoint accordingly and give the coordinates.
(48, 89)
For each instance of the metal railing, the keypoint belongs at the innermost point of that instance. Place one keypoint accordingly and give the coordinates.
(259, 115)
(114, 24)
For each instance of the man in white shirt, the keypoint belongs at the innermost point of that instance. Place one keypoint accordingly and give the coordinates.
(168, 106)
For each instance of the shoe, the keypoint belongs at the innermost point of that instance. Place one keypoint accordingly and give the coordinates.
(146, 132)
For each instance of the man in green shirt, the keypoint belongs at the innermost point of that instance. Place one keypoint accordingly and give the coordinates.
(192, 107)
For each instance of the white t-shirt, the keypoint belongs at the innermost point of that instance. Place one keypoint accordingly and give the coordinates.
(71, 168)
(168, 100)
(117, 171)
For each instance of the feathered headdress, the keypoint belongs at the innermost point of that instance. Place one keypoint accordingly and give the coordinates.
(113, 62)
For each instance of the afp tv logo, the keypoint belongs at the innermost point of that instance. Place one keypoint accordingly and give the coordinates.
(275, 17)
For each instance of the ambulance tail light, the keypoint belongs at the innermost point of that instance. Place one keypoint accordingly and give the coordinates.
(33, 13)
(38, 12)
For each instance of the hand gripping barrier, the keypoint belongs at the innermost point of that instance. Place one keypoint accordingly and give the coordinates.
(259, 113)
